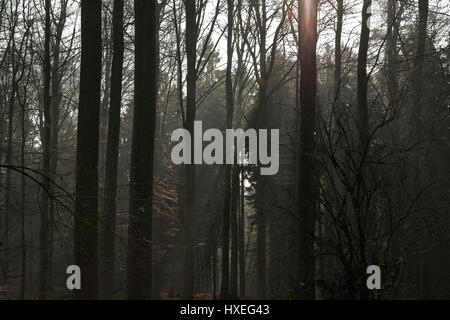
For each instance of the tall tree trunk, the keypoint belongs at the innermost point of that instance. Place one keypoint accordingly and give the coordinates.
(234, 232)
(8, 161)
(416, 134)
(261, 183)
(260, 248)
(86, 207)
(362, 112)
(418, 71)
(158, 158)
(242, 237)
(393, 101)
(9, 150)
(225, 284)
(44, 274)
(112, 154)
(338, 54)
(3, 125)
(22, 209)
(139, 254)
(338, 113)
(225, 287)
(214, 269)
(189, 190)
(107, 61)
(306, 194)
(55, 102)
(363, 125)
(392, 56)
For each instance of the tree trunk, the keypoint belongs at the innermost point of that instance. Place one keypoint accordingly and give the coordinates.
(260, 250)
(22, 209)
(3, 125)
(261, 183)
(112, 154)
(214, 270)
(242, 237)
(44, 274)
(55, 102)
(86, 208)
(362, 113)
(338, 54)
(418, 71)
(416, 134)
(392, 54)
(363, 125)
(225, 285)
(105, 101)
(234, 233)
(139, 254)
(8, 161)
(393, 101)
(189, 190)
(306, 194)
(225, 288)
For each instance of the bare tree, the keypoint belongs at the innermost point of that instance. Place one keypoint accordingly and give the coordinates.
(86, 207)
(112, 153)
(225, 285)
(44, 275)
(139, 254)
(306, 182)
(363, 117)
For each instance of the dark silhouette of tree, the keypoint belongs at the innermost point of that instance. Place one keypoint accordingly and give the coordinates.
(361, 92)
(139, 253)
(44, 275)
(189, 191)
(338, 51)
(306, 183)
(416, 134)
(225, 285)
(86, 207)
(112, 153)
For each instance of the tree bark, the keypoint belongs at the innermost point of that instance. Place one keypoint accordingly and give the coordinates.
(22, 209)
(8, 161)
(416, 134)
(55, 101)
(362, 112)
(392, 53)
(261, 183)
(44, 274)
(260, 251)
(139, 254)
(418, 70)
(86, 207)
(234, 233)
(225, 284)
(338, 54)
(242, 237)
(363, 126)
(189, 191)
(112, 153)
(225, 287)
(306, 194)
(105, 100)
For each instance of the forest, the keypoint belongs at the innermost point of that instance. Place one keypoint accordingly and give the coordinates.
(347, 102)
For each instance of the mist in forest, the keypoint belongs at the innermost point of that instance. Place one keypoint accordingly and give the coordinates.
(224, 149)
